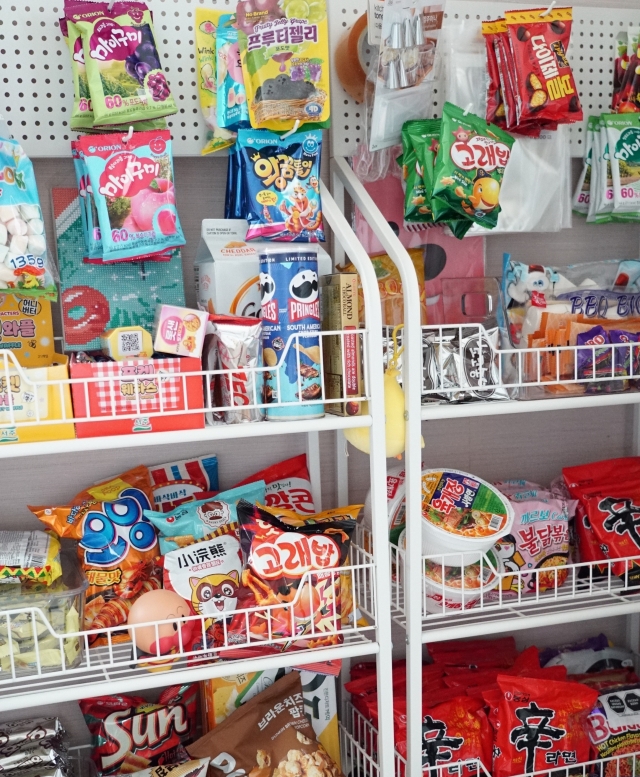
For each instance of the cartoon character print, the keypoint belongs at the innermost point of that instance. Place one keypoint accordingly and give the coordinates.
(484, 198)
(214, 594)
(462, 135)
(512, 560)
(304, 286)
(531, 284)
(301, 212)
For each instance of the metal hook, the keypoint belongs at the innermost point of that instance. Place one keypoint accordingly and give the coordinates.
(296, 127)
(111, 4)
(468, 109)
(127, 138)
(549, 9)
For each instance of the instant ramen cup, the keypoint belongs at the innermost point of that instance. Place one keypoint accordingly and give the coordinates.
(462, 514)
(454, 588)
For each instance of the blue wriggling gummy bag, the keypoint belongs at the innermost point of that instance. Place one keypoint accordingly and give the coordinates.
(280, 182)
(232, 109)
(132, 181)
(193, 521)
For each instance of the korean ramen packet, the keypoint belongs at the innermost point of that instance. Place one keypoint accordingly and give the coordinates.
(207, 21)
(280, 185)
(470, 166)
(285, 58)
(133, 187)
(123, 67)
(288, 485)
(117, 546)
(25, 263)
(614, 728)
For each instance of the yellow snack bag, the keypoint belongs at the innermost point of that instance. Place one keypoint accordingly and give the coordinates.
(207, 20)
(285, 60)
(29, 556)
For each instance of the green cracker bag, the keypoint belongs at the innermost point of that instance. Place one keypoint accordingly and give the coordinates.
(623, 133)
(416, 135)
(469, 168)
(123, 66)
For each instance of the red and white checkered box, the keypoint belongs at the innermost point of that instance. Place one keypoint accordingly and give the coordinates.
(137, 395)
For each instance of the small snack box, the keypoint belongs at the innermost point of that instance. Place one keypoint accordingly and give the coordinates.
(33, 637)
(30, 396)
(127, 342)
(26, 330)
(136, 395)
(179, 331)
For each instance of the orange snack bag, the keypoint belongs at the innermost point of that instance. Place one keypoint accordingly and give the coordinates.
(117, 546)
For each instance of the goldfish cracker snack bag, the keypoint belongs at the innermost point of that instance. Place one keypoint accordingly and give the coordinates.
(207, 21)
(117, 545)
(122, 62)
(280, 184)
(469, 167)
(285, 58)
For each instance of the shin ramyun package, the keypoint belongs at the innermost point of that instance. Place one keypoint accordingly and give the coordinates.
(285, 59)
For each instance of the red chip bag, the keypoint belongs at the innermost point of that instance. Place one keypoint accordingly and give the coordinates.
(291, 565)
(457, 730)
(545, 90)
(288, 485)
(503, 645)
(130, 734)
(540, 725)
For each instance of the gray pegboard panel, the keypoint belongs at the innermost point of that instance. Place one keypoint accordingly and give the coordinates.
(592, 49)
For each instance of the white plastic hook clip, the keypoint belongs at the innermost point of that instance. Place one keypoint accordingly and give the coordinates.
(127, 138)
(111, 4)
(296, 127)
(468, 109)
(549, 9)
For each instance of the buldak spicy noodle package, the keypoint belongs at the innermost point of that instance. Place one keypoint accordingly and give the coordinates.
(117, 545)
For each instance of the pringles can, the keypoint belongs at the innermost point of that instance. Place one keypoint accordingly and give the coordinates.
(290, 316)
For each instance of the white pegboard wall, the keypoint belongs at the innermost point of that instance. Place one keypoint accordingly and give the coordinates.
(36, 97)
(592, 50)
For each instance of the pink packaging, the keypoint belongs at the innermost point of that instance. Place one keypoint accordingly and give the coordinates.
(179, 331)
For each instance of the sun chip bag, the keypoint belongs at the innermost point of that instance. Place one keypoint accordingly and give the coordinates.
(288, 485)
(117, 546)
(469, 168)
(541, 725)
(178, 481)
(285, 59)
(457, 730)
(545, 87)
(194, 521)
(130, 734)
(292, 565)
(268, 736)
(122, 62)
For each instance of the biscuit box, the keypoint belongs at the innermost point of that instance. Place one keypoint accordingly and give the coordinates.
(36, 397)
(26, 330)
(137, 395)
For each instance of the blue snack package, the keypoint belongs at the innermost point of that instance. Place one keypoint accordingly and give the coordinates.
(290, 325)
(133, 187)
(25, 263)
(193, 521)
(280, 182)
(233, 202)
(90, 222)
(232, 109)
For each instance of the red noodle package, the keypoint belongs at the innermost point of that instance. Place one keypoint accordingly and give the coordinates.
(129, 734)
(288, 485)
(540, 725)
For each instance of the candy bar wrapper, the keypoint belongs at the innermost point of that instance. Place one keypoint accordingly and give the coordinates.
(595, 362)
(196, 768)
(45, 771)
(20, 733)
(238, 345)
(464, 360)
(34, 754)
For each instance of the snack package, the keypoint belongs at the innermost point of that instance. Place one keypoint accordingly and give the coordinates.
(117, 545)
(418, 176)
(470, 165)
(18, 733)
(545, 87)
(29, 556)
(187, 769)
(541, 725)
(237, 344)
(25, 263)
(233, 112)
(623, 137)
(599, 642)
(82, 113)
(121, 729)
(193, 521)
(221, 696)
(457, 730)
(126, 342)
(41, 755)
(123, 66)
(582, 195)
(495, 100)
(285, 59)
(614, 728)
(275, 575)
(288, 485)
(179, 481)
(132, 182)
(620, 65)
(280, 185)
(271, 733)
(593, 659)
(179, 331)
(207, 21)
